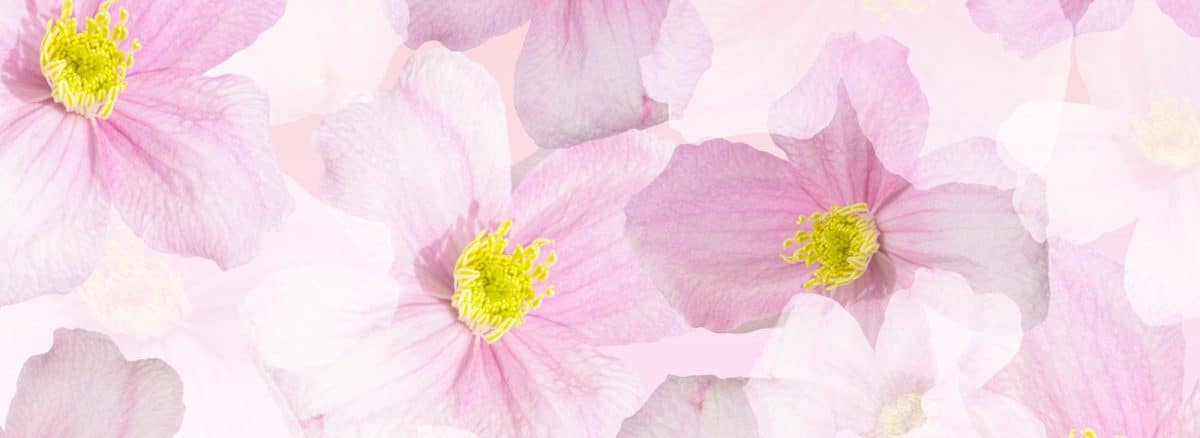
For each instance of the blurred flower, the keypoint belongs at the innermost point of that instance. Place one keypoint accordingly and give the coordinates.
(497, 297)
(588, 69)
(939, 344)
(182, 157)
(84, 387)
(1093, 365)
(731, 233)
(696, 406)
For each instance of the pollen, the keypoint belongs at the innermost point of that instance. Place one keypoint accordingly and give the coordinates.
(1169, 135)
(1088, 433)
(494, 290)
(86, 70)
(902, 416)
(841, 240)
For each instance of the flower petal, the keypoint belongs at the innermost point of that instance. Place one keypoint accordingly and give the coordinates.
(580, 77)
(1186, 14)
(423, 158)
(459, 25)
(789, 409)
(710, 231)
(972, 161)
(697, 406)
(1099, 380)
(576, 197)
(971, 230)
(84, 387)
(1029, 26)
(1164, 256)
(681, 55)
(191, 36)
(52, 223)
(186, 161)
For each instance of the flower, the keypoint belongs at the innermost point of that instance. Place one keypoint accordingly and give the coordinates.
(587, 69)
(1126, 159)
(101, 105)
(731, 233)
(1093, 366)
(938, 345)
(84, 387)
(185, 311)
(695, 406)
(1030, 26)
(497, 298)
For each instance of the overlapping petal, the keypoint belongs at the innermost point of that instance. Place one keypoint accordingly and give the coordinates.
(696, 406)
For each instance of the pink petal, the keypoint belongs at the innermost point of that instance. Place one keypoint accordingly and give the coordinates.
(995, 415)
(459, 25)
(1186, 14)
(1164, 256)
(579, 76)
(187, 35)
(1099, 380)
(710, 231)
(698, 406)
(187, 163)
(576, 197)
(681, 55)
(425, 158)
(975, 160)
(971, 230)
(52, 223)
(1185, 421)
(84, 387)
(1030, 26)
(21, 30)
(873, 81)
(787, 408)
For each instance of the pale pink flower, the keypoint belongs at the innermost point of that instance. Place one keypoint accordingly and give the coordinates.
(1129, 159)
(587, 70)
(762, 48)
(182, 157)
(694, 407)
(938, 345)
(1030, 26)
(470, 331)
(185, 311)
(717, 228)
(84, 387)
(1093, 365)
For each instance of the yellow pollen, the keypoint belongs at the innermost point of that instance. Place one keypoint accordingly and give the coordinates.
(902, 416)
(86, 70)
(842, 240)
(1170, 133)
(1088, 433)
(493, 291)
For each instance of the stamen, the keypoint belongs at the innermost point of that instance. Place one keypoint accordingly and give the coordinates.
(86, 70)
(493, 291)
(902, 416)
(841, 240)
(1170, 133)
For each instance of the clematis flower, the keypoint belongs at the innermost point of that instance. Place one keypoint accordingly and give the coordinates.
(696, 406)
(730, 233)
(84, 387)
(587, 70)
(185, 311)
(1129, 158)
(939, 344)
(104, 104)
(497, 299)
(1093, 368)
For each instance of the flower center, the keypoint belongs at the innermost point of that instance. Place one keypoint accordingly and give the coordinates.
(902, 416)
(86, 70)
(1170, 133)
(1088, 433)
(842, 240)
(885, 8)
(135, 290)
(493, 291)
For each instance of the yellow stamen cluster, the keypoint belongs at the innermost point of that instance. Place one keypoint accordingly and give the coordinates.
(1170, 133)
(493, 291)
(86, 70)
(1088, 433)
(902, 416)
(842, 240)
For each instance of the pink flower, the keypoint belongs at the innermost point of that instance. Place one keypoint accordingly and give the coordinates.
(587, 69)
(1094, 365)
(1128, 159)
(497, 298)
(938, 345)
(696, 406)
(185, 311)
(182, 157)
(730, 233)
(84, 387)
